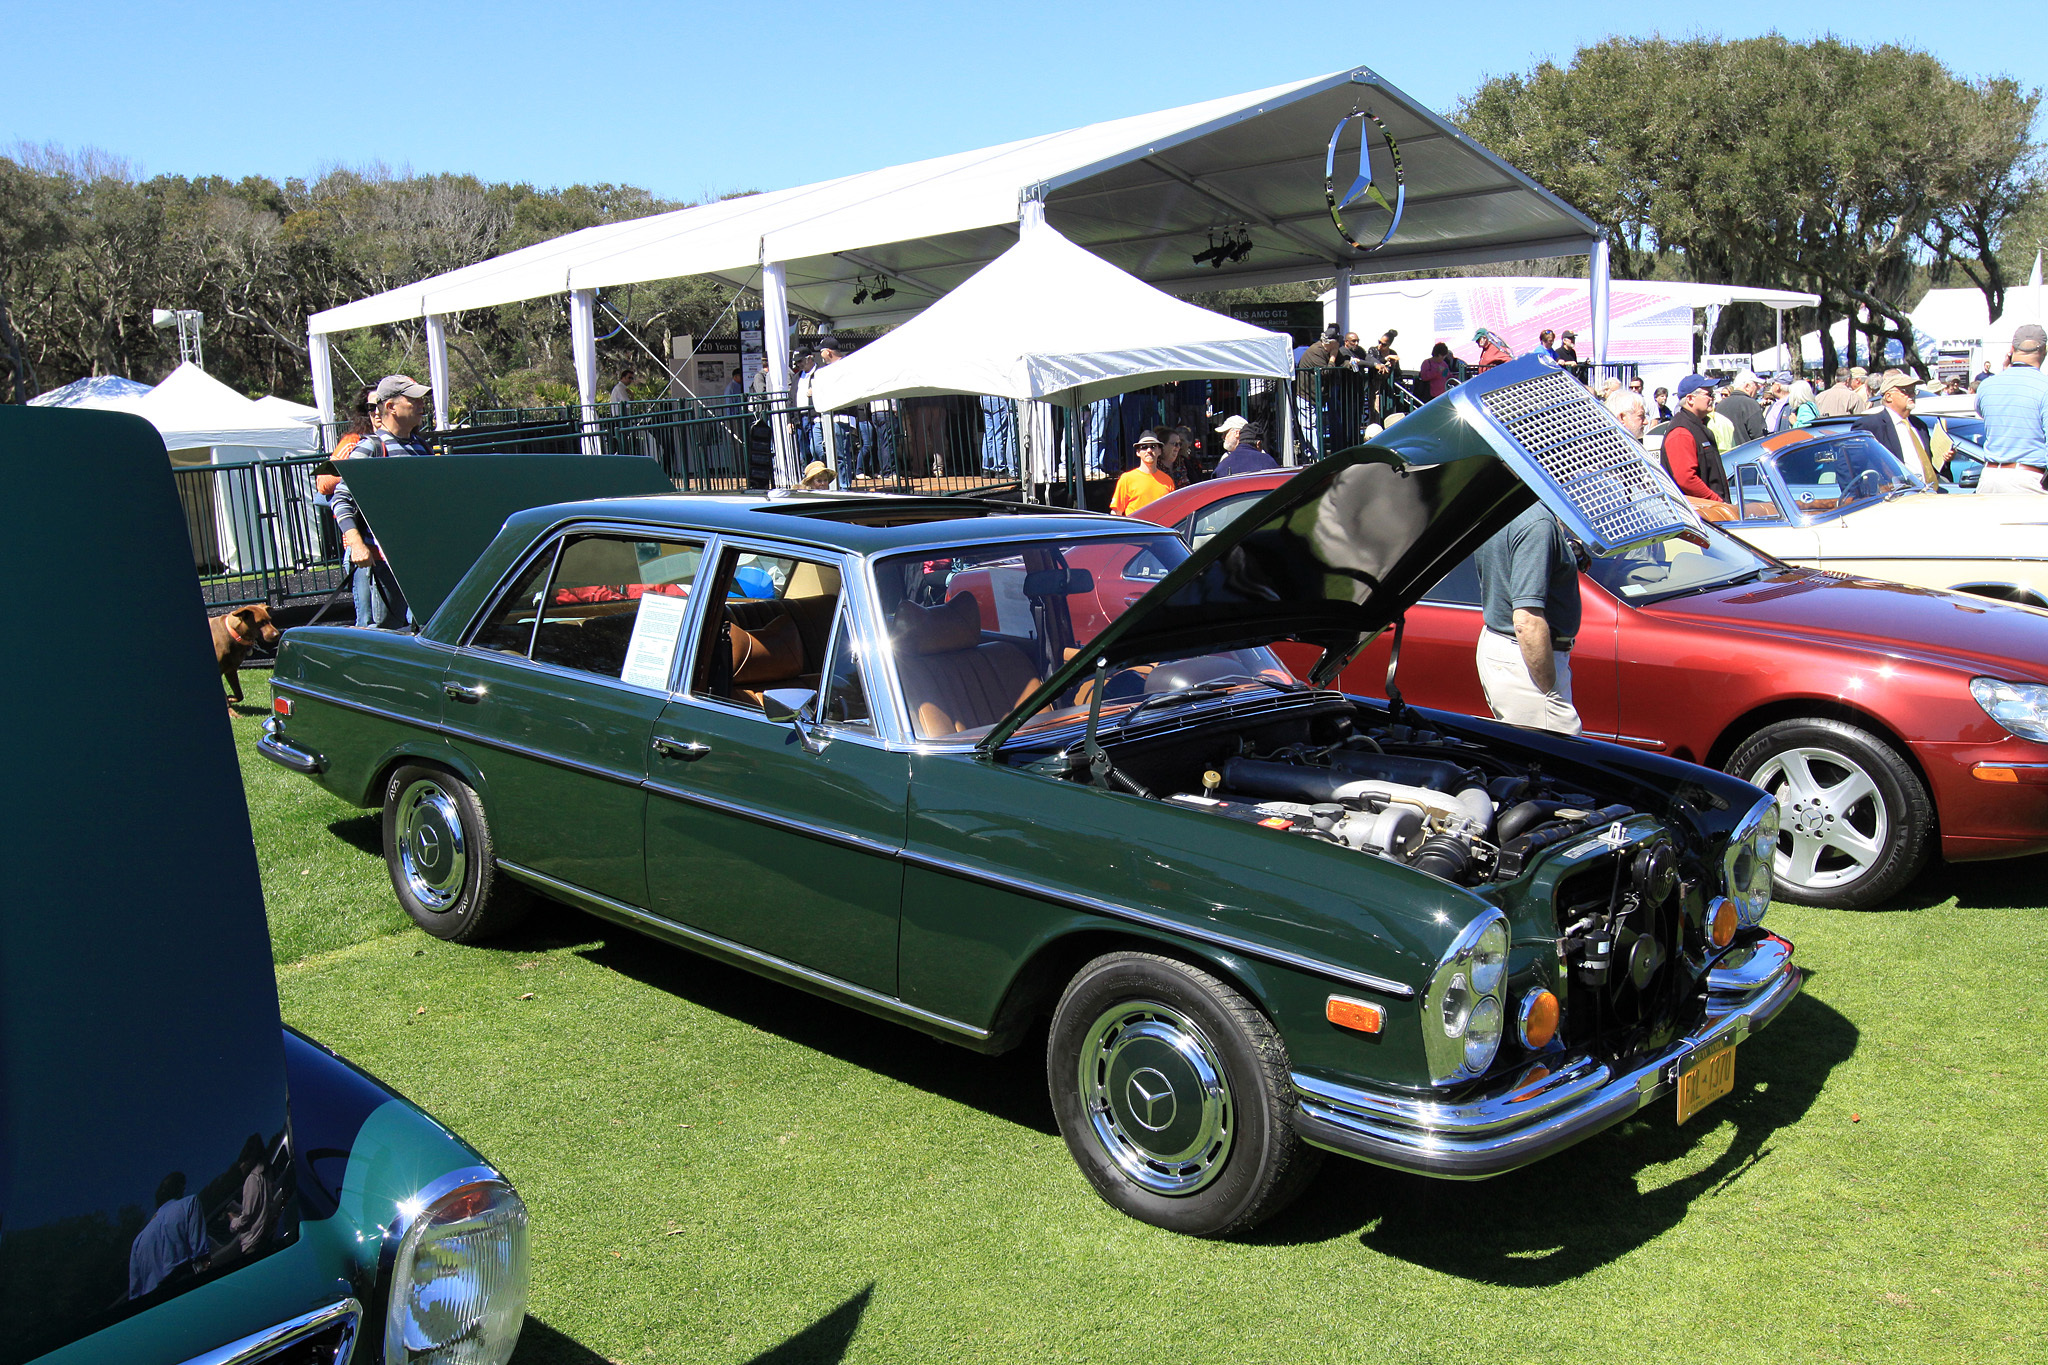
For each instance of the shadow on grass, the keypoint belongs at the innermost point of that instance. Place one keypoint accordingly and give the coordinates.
(1581, 1209)
(1010, 1087)
(824, 1342)
(540, 1344)
(2008, 884)
(365, 832)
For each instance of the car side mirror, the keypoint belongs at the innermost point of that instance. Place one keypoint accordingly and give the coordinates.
(789, 705)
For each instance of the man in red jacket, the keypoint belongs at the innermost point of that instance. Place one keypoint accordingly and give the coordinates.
(1691, 455)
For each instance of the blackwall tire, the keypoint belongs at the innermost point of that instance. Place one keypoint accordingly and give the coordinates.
(1856, 823)
(438, 849)
(1174, 1097)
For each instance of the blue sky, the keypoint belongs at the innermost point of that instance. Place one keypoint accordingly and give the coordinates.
(692, 100)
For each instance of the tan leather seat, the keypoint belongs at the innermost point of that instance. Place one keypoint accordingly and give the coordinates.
(770, 656)
(951, 680)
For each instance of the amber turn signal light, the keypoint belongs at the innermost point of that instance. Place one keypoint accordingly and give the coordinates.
(281, 705)
(1724, 922)
(1537, 1020)
(1358, 1015)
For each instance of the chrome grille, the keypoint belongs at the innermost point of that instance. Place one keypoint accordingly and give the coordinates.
(1590, 460)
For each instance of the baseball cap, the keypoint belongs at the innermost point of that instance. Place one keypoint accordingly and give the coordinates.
(1570, 336)
(2029, 337)
(1692, 383)
(1858, 372)
(1744, 378)
(393, 385)
(1233, 423)
(1782, 377)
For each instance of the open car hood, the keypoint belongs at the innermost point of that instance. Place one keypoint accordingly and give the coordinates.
(1339, 551)
(433, 517)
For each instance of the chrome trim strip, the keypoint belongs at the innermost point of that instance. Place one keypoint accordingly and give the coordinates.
(541, 756)
(684, 936)
(823, 833)
(1528, 1117)
(1006, 881)
(270, 1341)
(273, 747)
(350, 704)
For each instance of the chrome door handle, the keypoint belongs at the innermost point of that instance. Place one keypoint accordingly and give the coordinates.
(460, 692)
(688, 750)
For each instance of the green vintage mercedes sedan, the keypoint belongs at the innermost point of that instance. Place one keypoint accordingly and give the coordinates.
(969, 764)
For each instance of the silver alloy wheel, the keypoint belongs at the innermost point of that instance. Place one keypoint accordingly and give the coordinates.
(1833, 820)
(1156, 1096)
(432, 853)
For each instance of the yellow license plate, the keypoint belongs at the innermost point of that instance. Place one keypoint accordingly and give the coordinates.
(1706, 1078)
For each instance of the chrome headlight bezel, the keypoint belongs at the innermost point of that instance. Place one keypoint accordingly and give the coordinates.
(1749, 861)
(2019, 708)
(1472, 972)
(435, 1217)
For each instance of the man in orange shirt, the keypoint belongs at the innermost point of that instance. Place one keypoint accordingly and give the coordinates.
(1147, 483)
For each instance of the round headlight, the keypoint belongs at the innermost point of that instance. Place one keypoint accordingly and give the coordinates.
(1490, 958)
(458, 1278)
(1482, 1034)
(1752, 855)
(2021, 708)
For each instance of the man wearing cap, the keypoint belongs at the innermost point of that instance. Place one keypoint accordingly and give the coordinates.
(1691, 454)
(1147, 483)
(1895, 426)
(1529, 599)
(1779, 413)
(1241, 453)
(1491, 352)
(1741, 410)
(1567, 353)
(2014, 406)
(398, 404)
(1848, 396)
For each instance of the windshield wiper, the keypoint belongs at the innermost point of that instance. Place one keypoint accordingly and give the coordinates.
(1213, 687)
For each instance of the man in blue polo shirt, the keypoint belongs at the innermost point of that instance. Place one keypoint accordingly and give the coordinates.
(2014, 406)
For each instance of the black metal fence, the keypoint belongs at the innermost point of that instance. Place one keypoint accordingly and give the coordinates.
(259, 532)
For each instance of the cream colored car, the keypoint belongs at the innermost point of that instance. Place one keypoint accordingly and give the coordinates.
(1834, 498)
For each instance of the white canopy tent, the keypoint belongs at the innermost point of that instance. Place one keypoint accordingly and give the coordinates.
(1145, 193)
(194, 412)
(1051, 322)
(1951, 321)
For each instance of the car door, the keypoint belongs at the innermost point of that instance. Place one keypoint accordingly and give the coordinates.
(776, 837)
(554, 695)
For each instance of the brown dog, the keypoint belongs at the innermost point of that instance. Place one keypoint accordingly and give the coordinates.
(233, 636)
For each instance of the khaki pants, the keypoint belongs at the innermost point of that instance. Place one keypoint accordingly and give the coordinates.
(1513, 695)
(2010, 479)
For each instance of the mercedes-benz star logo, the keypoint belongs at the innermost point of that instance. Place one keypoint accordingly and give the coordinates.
(427, 843)
(1150, 1096)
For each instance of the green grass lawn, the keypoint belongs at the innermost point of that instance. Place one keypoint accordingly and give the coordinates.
(722, 1169)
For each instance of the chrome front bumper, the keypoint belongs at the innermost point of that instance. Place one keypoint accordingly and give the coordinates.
(1550, 1105)
(273, 747)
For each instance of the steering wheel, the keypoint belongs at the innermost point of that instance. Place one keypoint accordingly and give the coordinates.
(1876, 485)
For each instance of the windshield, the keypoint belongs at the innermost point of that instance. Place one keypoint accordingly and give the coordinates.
(974, 631)
(1670, 567)
(1827, 477)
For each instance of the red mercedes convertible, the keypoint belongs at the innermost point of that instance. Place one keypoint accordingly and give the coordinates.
(1891, 722)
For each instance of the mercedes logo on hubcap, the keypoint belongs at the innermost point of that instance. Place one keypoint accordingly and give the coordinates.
(427, 844)
(1150, 1097)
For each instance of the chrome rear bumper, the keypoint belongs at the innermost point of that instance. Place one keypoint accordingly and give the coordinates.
(273, 747)
(1549, 1106)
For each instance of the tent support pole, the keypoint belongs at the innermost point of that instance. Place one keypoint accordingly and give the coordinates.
(1778, 316)
(437, 367)
(775, 342)
(1283, 393)
(1343, 300)
(1597, 271)
(322, 364)
(583, 346)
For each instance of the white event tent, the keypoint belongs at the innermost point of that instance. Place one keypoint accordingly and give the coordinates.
(1145, 193)
(1071, 328)
(203, 421)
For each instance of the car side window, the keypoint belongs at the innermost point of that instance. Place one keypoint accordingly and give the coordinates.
(770, 629)
(615, 606)
(1218, 515)
(1753, 496)
(845, 699)
(1459, 588)
(509, 627)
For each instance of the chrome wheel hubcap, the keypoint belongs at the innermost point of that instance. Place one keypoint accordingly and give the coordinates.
(432, 855)
(1156, 1098)
(1834, 818)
